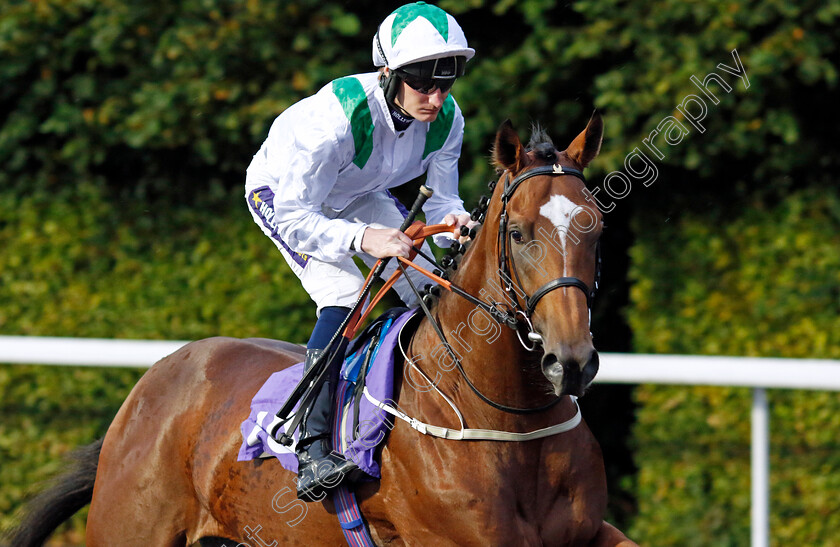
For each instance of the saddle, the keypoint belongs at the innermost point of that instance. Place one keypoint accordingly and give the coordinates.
(361, 354)
(359, 426)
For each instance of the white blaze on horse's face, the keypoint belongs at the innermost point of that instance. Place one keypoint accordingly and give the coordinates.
(559, 210)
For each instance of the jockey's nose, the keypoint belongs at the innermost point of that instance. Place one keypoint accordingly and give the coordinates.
(436, 98)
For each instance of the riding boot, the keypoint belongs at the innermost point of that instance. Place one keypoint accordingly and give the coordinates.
(319, 468)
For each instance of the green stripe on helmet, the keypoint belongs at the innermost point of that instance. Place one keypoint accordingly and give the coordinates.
(351, 95)
(409, 12)
(439, 129)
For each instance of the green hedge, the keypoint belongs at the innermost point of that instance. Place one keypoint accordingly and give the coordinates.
(80, 263)
(764, 283)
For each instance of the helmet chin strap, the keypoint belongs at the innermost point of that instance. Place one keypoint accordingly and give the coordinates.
(390, 85)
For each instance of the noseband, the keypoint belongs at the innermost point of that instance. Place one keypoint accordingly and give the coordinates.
(506, 264)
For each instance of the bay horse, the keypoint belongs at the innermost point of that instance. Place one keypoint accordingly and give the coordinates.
(166, 472)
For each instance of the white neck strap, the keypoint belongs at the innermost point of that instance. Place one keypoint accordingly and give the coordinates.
(465, 434)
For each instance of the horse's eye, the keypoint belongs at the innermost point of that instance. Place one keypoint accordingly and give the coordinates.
(516, 236)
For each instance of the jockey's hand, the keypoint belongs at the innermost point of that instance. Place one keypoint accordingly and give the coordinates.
(384, 242)
(456, 221)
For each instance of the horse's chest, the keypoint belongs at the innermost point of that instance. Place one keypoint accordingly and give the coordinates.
(480, 504)
(461, 493)
(479, 522)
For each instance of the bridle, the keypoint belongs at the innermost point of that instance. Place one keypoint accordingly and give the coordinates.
(507, 267)
(507, 272)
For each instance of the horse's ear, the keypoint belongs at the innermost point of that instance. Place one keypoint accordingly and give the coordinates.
(587, 145)
(508, 152)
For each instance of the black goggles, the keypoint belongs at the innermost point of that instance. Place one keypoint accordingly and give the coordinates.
(427, 76)
(427, 86)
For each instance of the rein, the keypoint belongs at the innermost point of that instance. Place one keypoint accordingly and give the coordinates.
(442, 337)
(464, 433)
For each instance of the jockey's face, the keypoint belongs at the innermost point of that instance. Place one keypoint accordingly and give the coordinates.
(423, 107)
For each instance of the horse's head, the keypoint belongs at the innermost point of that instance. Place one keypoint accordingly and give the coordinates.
(548, 247)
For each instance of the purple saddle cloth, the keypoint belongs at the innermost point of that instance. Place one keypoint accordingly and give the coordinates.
(373, 421)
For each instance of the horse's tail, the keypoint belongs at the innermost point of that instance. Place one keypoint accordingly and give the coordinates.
(68, 493)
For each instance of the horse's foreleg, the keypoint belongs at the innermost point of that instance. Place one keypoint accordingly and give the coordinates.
(610, 536)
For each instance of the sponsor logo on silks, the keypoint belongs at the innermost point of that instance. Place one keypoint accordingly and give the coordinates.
(260, 201)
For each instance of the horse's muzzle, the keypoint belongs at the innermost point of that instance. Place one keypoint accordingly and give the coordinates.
(570, 376)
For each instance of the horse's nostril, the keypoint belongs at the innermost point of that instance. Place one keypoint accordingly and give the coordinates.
(554, 371)
(590, 369)
(570, 376)
(552, 368)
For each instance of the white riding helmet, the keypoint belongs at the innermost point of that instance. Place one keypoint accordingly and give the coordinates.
(418, 32)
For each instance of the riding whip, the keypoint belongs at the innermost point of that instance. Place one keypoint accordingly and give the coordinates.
(307, 388)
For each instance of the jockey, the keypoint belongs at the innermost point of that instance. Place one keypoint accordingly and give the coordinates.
(318, 187)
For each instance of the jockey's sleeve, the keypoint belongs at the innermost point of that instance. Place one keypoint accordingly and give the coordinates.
(442, 177)
(309, 174)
